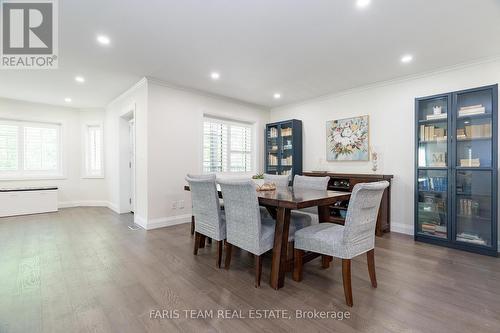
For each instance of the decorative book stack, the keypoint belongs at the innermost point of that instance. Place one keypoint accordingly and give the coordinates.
(471, 110)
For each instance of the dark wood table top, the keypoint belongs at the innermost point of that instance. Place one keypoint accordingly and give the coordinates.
(297, 198)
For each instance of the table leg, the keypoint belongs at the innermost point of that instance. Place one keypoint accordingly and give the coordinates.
(324, 214)
(278, 266)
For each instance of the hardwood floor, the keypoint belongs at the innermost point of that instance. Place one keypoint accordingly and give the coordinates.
(83, 269)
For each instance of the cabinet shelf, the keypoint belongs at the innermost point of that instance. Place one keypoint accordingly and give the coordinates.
(464, 210)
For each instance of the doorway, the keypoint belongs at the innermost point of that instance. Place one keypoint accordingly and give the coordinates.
(127, 177)
(132, 163)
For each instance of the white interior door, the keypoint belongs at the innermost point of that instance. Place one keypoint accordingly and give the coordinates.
(132, 163)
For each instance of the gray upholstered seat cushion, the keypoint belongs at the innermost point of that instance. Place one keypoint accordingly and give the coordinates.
(309, 213)
(324, 238)
(297, 221)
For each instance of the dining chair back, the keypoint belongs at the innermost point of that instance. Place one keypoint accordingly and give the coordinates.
(361, 218)
(242, 214)
(311, 183)
(278, 180)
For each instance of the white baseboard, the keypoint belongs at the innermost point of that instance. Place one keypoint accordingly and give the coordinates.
(402, 228)
(83, 203)
(113, 207)
(168, 221)
(140, 221)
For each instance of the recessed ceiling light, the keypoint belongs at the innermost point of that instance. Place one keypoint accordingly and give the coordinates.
(79, 79)
(362, 3)
(103, 40)
(277, 96)
(68, 100)
(406, 58)
(215, 75)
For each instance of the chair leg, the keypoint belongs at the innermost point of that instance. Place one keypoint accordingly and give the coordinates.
(297, 265)
(258, 270)
(325, 261)
(219, 253)
(346, 278)
(370, 258)
(229, 248)
(192, 224)
(202, 241)
(197, 237)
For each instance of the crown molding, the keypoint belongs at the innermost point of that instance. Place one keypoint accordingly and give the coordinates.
(389, 82)
(136, 85)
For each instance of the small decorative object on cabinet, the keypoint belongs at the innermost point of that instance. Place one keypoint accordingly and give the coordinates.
(345, 182)
(456, 170)
(284, 148)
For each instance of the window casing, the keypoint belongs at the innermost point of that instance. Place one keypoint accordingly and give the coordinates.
(227, 146)
(93, 159)
(30, 150)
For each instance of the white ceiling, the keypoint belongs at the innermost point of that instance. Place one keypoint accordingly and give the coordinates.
(300, 48)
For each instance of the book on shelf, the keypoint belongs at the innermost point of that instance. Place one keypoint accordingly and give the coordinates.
(470, 162)
(432, 133)
(471, 110)
(470, 238)
(273, 132)
(474, 131)
(436, 116)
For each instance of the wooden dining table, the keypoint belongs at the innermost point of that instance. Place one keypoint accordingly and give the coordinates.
(280, 203)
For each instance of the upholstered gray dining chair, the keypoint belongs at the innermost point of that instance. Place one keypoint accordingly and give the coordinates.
(246, 228)
(208, 216)
(347, 241)
(204, 176)
(309, 183)
(278, 180)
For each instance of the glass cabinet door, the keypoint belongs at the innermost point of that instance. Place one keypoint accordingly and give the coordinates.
(433, 132)
(432, 210)
(286, 152)
(474, 129)
(272, 144)
(473, 207)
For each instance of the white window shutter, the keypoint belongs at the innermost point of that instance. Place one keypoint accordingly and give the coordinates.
(9, 155)
(227, 146)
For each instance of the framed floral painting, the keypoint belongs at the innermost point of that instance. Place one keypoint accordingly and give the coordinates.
(347, 139)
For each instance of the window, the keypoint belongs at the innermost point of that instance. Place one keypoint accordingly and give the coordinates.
(93, 151)
(29, 149)
(227, 146)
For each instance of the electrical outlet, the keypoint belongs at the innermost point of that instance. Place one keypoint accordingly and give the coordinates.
(180, 204)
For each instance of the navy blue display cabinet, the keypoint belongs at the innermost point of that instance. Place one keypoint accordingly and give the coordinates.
(456, 148)
(284, 148)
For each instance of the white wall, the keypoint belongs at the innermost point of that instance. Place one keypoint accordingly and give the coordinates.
(175, 120)
(134, 98)
(73, 189)
(391, 109)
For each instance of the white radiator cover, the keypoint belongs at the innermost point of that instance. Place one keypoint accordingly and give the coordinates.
(27, 202)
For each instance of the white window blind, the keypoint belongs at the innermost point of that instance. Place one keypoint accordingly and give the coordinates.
(93, 151)
(29, 149)
(41, 148)
(9, 159)
(227, 146)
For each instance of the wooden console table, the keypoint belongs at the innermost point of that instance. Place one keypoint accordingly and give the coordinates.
(345, 182)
